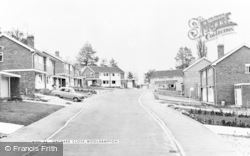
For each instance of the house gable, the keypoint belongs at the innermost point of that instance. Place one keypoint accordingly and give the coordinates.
(231, 71)
(15, 56)
(198, 65)
(87, 70)
(17, 42)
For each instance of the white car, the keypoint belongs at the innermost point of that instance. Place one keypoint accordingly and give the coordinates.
(70, 93)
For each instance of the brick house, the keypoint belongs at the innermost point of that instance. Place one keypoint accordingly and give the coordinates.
(218, 78)
(34, 67)
(66, 74)
(191, 79)
(167, 79)
(103, 76)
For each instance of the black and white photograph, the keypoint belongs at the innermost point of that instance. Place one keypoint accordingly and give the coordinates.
(124, 78)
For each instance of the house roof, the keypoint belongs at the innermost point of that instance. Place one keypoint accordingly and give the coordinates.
(18, 42)
(98, 69)
(229, 53)
(166, 82)
(55, 57)
(196, 62)
(168, 73)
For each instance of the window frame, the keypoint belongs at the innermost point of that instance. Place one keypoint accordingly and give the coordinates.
(1, 54)
(247, 68)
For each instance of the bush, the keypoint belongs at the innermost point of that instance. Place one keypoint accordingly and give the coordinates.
(156, 97)
(45, 91)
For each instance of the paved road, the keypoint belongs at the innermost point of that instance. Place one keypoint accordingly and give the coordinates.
(116, 116)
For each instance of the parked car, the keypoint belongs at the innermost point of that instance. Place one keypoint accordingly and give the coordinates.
(95, 85)
(70, 93)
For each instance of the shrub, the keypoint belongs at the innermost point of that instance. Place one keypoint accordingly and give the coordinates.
(156, 97)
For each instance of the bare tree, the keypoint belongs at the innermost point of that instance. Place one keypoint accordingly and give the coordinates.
(201, 49)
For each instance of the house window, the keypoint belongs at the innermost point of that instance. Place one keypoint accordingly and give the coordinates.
(204, 74)
(40, 78)
(247, 68)
(113, 82)
(106, 74)
(105, 82)
(1, 56)
(210, 72)
(113, 74)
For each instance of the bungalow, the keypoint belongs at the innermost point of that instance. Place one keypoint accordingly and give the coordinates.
(220, 77)
(34, 67)
(103, 76)
(191, 79)
(167, 79)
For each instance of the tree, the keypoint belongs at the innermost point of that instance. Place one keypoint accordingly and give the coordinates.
(18, 35)
(148, 75)
(113, 63)
(130, 75)
(201, 49)
(103, 63)
(86, 56)
(183, 58)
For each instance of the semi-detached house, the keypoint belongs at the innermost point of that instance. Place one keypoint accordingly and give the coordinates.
(66, 74)
(34, 67)
(104, 76)
(27, 70)
(220, 77)
(191, 79)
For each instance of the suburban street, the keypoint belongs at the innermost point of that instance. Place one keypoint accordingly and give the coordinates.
(116, 116)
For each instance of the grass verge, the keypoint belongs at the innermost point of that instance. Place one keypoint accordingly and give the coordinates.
(25, 113)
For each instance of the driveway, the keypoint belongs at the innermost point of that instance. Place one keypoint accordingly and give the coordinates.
(117, 117)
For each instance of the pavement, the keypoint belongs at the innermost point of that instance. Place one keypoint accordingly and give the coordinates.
(119, 116)
(181, 100)
(44, 128)
(194, 138)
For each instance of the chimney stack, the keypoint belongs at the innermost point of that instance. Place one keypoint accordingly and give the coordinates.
(220, 51)
(192, 60)
(30, 41)
(57, 53)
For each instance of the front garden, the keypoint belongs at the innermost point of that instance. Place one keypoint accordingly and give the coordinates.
(222, 118)
(25, 113)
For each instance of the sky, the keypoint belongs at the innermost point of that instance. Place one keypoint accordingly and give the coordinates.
(139, 34)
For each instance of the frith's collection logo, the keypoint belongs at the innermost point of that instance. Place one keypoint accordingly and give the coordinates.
(210, 28)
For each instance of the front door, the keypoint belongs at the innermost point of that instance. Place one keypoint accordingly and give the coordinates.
(210, 94)
(204, 94)
(238, 96)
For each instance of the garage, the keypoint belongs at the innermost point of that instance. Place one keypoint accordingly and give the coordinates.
(8, 84)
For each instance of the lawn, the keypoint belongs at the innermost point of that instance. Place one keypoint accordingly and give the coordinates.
(25, 113)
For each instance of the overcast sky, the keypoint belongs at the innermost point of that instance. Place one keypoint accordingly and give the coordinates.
(138, 34)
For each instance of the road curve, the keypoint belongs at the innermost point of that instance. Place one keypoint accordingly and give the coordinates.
(116, 116)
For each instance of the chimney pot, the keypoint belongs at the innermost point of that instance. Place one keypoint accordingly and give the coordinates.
(220, 51)
(30, 41)
(57, 53)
